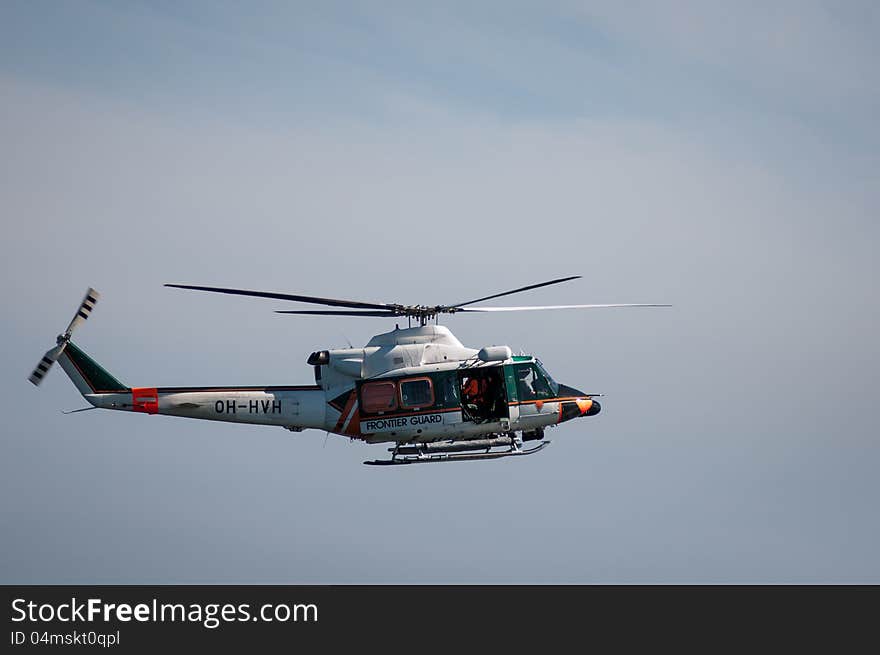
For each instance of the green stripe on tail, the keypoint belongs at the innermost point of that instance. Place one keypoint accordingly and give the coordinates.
(93, 373)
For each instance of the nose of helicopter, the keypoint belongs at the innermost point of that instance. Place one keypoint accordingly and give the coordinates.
(581, 404)
(588, 406)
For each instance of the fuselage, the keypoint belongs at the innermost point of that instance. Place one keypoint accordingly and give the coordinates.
(409, 385)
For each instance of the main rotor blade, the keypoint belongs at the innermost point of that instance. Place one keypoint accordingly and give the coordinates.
(332, 302)
(334, 312)
(507, 293)
(535, 307)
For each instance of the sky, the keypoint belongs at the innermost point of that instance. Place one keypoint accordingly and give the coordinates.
(721, 157)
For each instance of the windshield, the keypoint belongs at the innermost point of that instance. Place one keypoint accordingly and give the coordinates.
(553, 386)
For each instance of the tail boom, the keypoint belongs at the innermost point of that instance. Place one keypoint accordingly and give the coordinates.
(288, 406)
(293, 407)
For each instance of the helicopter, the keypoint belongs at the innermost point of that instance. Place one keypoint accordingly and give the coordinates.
(417, 388)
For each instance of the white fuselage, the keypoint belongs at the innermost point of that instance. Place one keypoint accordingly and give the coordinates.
(427, 358)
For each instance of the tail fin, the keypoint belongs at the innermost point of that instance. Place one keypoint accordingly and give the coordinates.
(88, 376)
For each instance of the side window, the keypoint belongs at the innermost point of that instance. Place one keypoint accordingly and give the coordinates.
(447, 389)
(378, 397)
(416, 392)
(524, 377)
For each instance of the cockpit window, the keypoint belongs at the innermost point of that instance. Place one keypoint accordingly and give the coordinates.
(532, 383)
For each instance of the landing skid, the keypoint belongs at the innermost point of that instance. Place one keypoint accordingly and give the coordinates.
(425, 456)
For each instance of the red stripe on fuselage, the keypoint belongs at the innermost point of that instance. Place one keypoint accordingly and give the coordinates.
(144, 399)
(349, 404)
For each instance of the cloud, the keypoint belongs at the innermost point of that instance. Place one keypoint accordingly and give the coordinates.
(816, 54)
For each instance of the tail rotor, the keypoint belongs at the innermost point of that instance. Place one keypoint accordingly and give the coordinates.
(52, 355)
